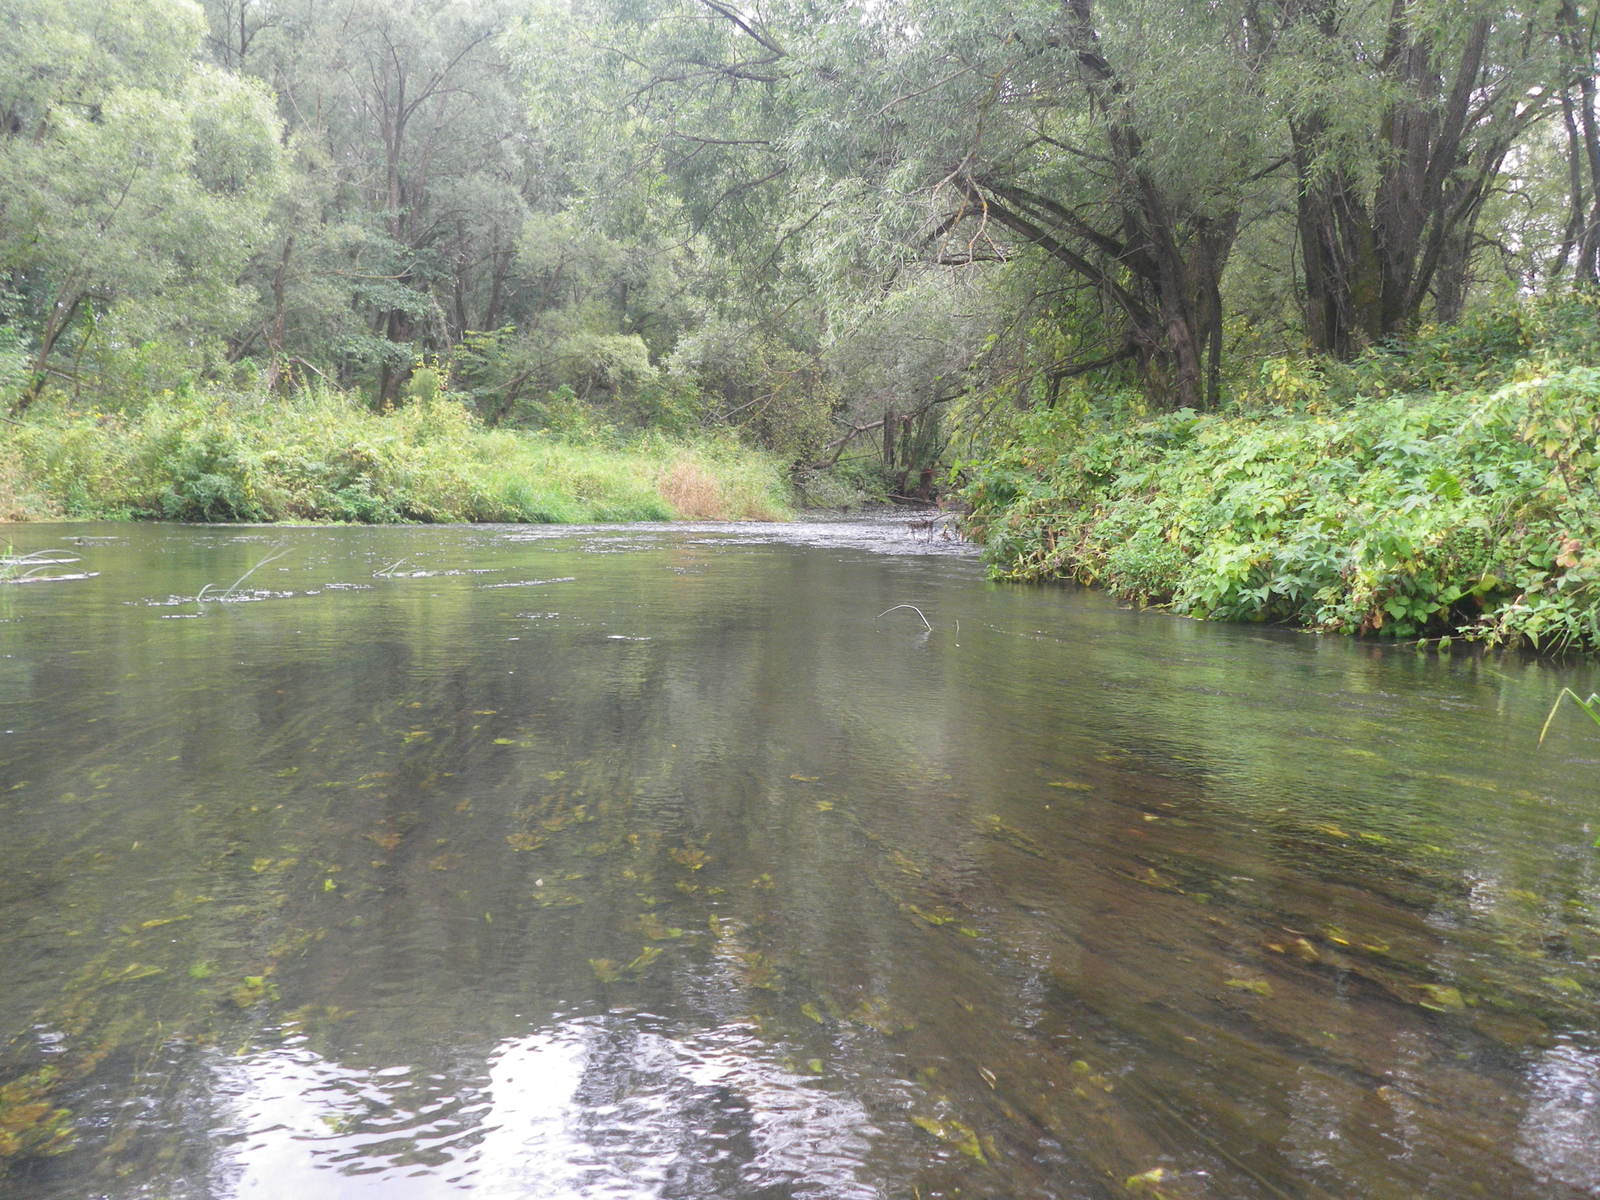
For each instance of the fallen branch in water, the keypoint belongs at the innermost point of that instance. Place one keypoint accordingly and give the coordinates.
(913, 608)
(25, 568)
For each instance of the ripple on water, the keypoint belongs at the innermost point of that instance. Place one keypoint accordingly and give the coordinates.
(1561, 1129)
(1047, 897)
(610, 1108)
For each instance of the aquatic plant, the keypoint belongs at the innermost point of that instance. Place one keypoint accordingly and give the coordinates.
(15, 567)
(31, 1123)
(1591, 706)
(232, 588)
(26, 568)
(914, 609)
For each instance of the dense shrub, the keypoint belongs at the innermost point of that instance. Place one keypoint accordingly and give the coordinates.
(1468, 512)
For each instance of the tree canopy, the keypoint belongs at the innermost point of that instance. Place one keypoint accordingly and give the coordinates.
(809, 221)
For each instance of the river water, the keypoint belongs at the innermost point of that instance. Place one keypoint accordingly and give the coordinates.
(665, 862)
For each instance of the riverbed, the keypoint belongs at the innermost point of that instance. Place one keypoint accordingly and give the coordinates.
(732, 862)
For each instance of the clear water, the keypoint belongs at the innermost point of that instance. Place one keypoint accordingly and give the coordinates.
(655, 862)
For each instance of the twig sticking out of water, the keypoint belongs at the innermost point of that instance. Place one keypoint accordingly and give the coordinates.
(21, 568)
(913, 608)
(234, 586)
(389, 570)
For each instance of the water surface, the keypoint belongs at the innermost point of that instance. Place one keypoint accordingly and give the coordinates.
(664, 862)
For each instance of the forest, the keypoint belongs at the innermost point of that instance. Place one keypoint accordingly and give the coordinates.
(1263, 309)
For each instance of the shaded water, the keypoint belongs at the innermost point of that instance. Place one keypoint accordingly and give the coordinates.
(653, 862)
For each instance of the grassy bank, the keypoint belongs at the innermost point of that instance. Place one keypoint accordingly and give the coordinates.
(1445, 491)
(322, 456)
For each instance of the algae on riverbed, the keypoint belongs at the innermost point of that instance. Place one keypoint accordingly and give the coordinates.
(250, 921)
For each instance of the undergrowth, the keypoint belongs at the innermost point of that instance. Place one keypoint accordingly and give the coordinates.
(323, 456)
(1444, 490)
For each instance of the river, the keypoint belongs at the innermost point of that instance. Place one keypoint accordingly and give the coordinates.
(690, 862)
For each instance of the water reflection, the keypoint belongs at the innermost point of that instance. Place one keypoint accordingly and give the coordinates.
(677, 871)
(605, 1108)
(294, 1123)
(1560, 1135)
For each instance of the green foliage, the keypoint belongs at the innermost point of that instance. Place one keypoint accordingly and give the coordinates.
(849, 483)
(777, 394)
(325, 456)
(14, 360)
(1590, 707)
(602, 217)
(1472, 512)
(132, 193)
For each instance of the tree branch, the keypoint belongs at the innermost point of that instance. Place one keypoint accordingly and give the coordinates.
(729, 13)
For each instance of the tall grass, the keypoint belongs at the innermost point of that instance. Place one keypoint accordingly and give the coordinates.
(15, 502)
(322, 456)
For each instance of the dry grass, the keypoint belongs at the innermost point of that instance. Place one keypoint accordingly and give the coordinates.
(693, 491)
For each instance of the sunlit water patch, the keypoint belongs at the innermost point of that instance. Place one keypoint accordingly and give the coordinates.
(603, 1107)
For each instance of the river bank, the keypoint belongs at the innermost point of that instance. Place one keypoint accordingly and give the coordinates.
(1445, 492)
(323, 456)
(1441, 490)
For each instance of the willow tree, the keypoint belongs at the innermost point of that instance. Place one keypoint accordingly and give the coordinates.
(415, 175)
(133, 183)
(1578, 37)
(1123, 139)
(1400, 118)
(1132, 146)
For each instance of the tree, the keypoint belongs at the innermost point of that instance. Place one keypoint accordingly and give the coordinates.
(1118, 138)
(406, 128)
(1576, 35)
(133, 182)
(1400, 120)
(1125, 169)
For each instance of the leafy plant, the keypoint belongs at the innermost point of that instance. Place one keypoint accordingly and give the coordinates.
(1468, 512)
(225, 455)
(1591, 706)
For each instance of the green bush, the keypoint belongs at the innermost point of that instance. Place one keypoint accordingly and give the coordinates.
(1468, 512)
(323, 456)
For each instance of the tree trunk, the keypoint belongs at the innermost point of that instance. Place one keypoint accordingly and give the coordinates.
(61, 316)
(1576, 189)
(1372, 257)
(1164, 276)
(1584, 135)
(1451, 277)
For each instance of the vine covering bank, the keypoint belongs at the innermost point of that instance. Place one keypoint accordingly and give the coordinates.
(1449, 490)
